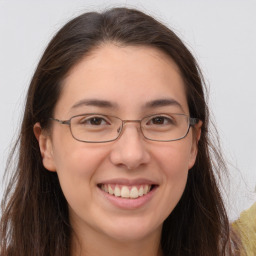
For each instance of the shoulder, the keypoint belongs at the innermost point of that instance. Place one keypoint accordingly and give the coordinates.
(245, 228)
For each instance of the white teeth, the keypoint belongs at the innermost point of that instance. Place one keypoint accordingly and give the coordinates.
(104, 187)
(117, 191)
(141, 191)
(134, 193)
(125, 192)
(145, 189)
(110, 190)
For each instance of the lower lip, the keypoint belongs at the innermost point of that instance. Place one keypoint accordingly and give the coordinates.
(128, 203)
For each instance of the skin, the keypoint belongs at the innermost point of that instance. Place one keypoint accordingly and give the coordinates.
(128, 77)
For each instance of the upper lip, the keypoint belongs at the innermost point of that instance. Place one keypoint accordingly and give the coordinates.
(129, 182)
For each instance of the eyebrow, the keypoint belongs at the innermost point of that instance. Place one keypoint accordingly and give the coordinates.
(95, 103)
(163, 103)
(107, 104)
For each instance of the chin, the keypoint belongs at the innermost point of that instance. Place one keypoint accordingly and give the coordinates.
(127, 231)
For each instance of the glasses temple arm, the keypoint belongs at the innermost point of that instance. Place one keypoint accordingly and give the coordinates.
(60, 121)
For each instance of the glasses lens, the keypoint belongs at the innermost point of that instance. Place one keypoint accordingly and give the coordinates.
(165, 127)
(95, 127)
(102, 128)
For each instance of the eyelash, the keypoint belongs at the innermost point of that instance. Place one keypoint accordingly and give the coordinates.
(86, 120)
(168, 119)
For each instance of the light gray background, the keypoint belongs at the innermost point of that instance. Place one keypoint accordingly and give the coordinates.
(221, 34)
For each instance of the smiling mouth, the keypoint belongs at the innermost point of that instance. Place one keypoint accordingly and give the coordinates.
(128, 192)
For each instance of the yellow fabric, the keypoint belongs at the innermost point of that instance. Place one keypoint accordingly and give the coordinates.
(245, 227)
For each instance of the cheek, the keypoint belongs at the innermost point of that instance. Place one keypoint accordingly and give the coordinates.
(173, 162)
(74, 158)
(175, 158)
(76, 165)
(175, 166)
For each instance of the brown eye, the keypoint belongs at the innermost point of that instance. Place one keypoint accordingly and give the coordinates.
(94, 121)
(160, 120)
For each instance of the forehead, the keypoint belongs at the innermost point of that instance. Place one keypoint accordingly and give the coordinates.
(129, 77)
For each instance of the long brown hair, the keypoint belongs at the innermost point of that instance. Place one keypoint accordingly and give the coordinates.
(35, 218)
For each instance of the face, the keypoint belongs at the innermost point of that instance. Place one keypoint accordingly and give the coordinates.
(129, 79)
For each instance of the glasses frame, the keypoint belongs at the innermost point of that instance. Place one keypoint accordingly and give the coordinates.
(192, 121)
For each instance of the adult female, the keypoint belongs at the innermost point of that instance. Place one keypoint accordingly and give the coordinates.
(89, 181)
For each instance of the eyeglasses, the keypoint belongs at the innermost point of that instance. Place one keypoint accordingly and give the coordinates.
(98, 128)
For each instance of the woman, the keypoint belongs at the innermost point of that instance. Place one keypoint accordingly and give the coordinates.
(114, 151)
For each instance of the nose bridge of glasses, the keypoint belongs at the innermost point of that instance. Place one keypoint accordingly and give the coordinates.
(132, 121)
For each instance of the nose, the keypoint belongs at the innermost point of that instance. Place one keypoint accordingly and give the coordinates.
(130, 150)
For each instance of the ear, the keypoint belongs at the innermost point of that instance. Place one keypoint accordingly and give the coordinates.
(194, 147)
(45, 145)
